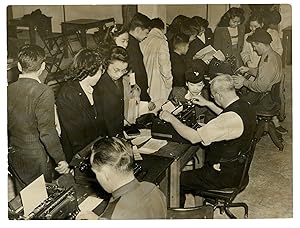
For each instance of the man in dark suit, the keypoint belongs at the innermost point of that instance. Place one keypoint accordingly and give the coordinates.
(31, 125)
(138, 30)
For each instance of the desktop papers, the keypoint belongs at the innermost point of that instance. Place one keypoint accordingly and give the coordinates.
(90, 203)
(152, 146)
(33, 195)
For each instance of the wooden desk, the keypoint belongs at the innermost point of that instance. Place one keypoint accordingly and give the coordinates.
(181, 153)
(81, 26)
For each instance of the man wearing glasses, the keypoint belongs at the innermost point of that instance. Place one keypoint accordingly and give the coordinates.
(226, 135)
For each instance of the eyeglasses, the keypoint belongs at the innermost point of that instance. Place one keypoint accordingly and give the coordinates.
(122, 72)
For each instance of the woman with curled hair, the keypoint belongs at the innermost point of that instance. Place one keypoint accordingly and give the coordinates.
(76, 107)
(117, 35)
(229, 34)
(110, 92)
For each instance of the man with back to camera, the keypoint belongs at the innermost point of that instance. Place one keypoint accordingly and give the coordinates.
(112, 162)
(268, 73)
(226, 135)
(31, 125)
(139, 28)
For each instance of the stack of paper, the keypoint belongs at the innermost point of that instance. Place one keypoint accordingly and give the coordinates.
(152, 146)
(90, 203)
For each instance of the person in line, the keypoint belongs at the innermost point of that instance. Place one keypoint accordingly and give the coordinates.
(203, 39)
(271, 21)
(229, 34)
(77, 109)
(249, 56)
(226, 135)
(138, 30)
(31, 126)
(268, 73)
(112, 162)
(118, 36)
(157, 62)
(109, 92)
(178, 64)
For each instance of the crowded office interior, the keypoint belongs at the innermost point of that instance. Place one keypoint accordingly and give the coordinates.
(149, 111)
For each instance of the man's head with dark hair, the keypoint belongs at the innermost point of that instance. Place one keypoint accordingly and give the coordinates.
(31, 59)
(190, 28)
(157, 23)
(139, 26)
(112, 162)
(180, 43)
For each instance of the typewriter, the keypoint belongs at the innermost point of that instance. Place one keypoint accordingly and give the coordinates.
(60, 204)
(185, 112)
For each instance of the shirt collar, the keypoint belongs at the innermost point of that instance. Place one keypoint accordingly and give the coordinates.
(86, 87)
(124, 189)
(30, 77)
(202, 37)
(232, 101)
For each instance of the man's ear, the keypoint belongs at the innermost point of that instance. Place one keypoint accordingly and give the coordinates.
(19, 67)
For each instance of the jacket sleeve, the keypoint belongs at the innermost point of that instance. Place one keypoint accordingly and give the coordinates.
(246, 52)
(165, 65)
(46, 125)
(218, 39)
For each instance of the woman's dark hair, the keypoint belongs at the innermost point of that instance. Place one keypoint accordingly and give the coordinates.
(189, 27)
(113, 32)
(85, 63)
(175, 24)
(31, 58)
(200, 22)
(256, 17)
(118, 53)
(230, 14)
(157, 23)
(179, 38)
(271, 18)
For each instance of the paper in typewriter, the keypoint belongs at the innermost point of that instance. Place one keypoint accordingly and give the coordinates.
(33, 195)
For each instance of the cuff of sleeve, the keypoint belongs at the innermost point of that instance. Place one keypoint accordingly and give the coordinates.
(201, 133)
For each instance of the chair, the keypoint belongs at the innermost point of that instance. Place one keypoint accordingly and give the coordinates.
(99, 35)
(52, 43)
(200, 212)
(223, 198)
(265, 124)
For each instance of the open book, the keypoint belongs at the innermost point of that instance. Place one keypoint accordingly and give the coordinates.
(208, 53)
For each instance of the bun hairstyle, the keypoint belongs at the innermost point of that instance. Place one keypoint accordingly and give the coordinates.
(85, 63)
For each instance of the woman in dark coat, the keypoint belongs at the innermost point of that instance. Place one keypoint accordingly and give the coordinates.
(229, 34)
(76, 107)
(109, 92)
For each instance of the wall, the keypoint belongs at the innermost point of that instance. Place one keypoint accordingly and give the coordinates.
(72, 12)
(153, 11)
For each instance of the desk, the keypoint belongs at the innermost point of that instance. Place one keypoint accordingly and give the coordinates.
(81, 26)
(181, 153)
(31, 25)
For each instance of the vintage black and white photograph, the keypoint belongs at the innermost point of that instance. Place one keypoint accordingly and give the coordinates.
(148, 111)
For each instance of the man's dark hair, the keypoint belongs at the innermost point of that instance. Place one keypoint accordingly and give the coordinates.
(157, 23)
(140, 20)
(118, 53)
(31, 58)
(189, 27)
(180, 38)
(114, 152)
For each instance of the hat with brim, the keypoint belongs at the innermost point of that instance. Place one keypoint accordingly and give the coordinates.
(260, 35)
